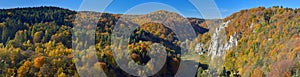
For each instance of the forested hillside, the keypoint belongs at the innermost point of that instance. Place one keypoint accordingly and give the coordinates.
(38, 42)
(269, 42)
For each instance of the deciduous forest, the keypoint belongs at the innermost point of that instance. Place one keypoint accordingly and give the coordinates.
(37, 42)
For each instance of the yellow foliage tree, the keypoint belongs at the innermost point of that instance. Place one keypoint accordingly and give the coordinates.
(62, 75)
(38, 62)
(257, 73)
(24, 69)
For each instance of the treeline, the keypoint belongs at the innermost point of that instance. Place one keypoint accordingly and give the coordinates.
(38, 42)
(269, 43)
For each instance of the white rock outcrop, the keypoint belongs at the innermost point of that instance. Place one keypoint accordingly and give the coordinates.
(219, 45)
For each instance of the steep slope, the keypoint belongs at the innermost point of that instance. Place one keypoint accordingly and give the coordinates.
(268, 43)
(254, 42)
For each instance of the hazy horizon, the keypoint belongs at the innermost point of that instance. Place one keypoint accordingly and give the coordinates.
(184, 6)
(135, 14)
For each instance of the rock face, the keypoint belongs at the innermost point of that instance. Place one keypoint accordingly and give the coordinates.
(219, 45)
(200, 49)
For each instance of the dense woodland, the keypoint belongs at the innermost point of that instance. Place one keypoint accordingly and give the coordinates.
(269, 43)
(38, 42)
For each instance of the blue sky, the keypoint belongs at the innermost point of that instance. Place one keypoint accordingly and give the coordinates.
(226, 7)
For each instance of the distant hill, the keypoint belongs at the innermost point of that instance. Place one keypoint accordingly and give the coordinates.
(37, 41)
